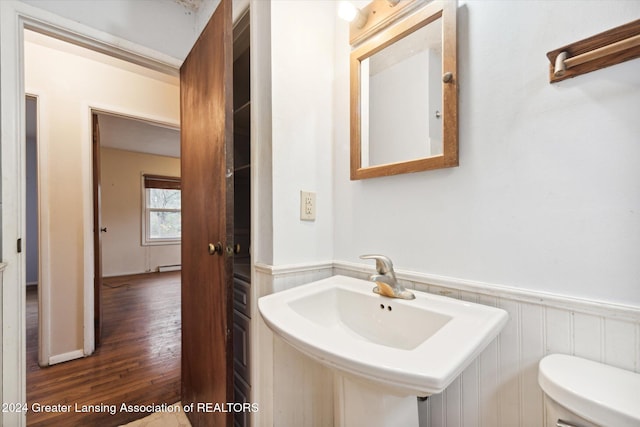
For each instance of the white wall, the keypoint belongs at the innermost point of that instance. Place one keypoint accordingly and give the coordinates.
(302, 115)
(537, 205)
(68, 86)
(547, 193)
(122, 251)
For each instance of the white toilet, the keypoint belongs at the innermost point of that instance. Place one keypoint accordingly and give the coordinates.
(583, 393)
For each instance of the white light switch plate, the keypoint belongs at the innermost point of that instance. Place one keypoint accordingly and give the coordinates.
(307, 206)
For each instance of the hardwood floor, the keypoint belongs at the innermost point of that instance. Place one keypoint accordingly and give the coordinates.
(138, 362)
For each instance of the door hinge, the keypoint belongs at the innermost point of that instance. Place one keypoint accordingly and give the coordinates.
(19, 246)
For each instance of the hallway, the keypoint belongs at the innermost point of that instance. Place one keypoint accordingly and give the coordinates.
(138, 362)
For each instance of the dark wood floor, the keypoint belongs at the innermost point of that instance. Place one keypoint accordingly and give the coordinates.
(138, 362)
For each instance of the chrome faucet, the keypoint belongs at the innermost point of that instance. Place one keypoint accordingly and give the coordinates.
(386, 281)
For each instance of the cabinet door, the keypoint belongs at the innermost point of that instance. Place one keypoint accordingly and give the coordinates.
(241, 345)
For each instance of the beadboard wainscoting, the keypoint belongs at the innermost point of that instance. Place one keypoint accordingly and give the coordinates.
(499, 388)
(292, 389)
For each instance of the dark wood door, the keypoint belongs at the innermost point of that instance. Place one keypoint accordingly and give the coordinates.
(97, 232)
(207, 220)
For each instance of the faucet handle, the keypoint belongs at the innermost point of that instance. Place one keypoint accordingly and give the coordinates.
(383, 263)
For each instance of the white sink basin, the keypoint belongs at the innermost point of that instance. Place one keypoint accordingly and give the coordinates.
(409, 347)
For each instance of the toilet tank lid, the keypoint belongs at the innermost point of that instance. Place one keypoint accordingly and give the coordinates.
(599, 393)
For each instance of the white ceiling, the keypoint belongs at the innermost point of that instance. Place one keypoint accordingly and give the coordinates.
(170, 27)
(166, 26)
(192, 5)
(129, 134)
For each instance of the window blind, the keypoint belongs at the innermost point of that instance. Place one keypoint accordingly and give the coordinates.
(162, 182)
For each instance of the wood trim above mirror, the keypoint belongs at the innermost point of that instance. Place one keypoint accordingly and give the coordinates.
(379, 14)
(398, 30)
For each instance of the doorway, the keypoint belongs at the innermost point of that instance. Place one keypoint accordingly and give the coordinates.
(56, 179)
(90, 81)
(32, 216)
(32, 18)
(136, 179)
(59, 174)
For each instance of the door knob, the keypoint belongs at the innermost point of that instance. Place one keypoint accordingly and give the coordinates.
(215, 249)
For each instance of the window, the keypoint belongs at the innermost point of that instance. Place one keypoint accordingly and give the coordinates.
(161, 222)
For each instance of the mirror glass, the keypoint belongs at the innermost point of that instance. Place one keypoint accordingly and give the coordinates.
(404, 92)
(401, 99)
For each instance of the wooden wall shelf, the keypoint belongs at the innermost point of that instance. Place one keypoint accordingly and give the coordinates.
(602, 50)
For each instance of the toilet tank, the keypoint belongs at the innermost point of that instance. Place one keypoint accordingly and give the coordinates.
(585, 393)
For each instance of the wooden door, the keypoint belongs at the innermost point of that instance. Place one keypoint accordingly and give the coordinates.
(97, 232)
(207, 220)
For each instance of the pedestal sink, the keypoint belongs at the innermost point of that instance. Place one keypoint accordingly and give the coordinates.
(384, 351)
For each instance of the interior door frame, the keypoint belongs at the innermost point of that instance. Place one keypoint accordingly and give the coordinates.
(44, 264)
(97, 206)
(97, 231)
(15, 17)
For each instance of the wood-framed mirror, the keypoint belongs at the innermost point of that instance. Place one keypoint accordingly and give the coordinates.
(404, 95)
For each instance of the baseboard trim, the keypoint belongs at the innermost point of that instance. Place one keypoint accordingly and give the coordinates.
(65, 357)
